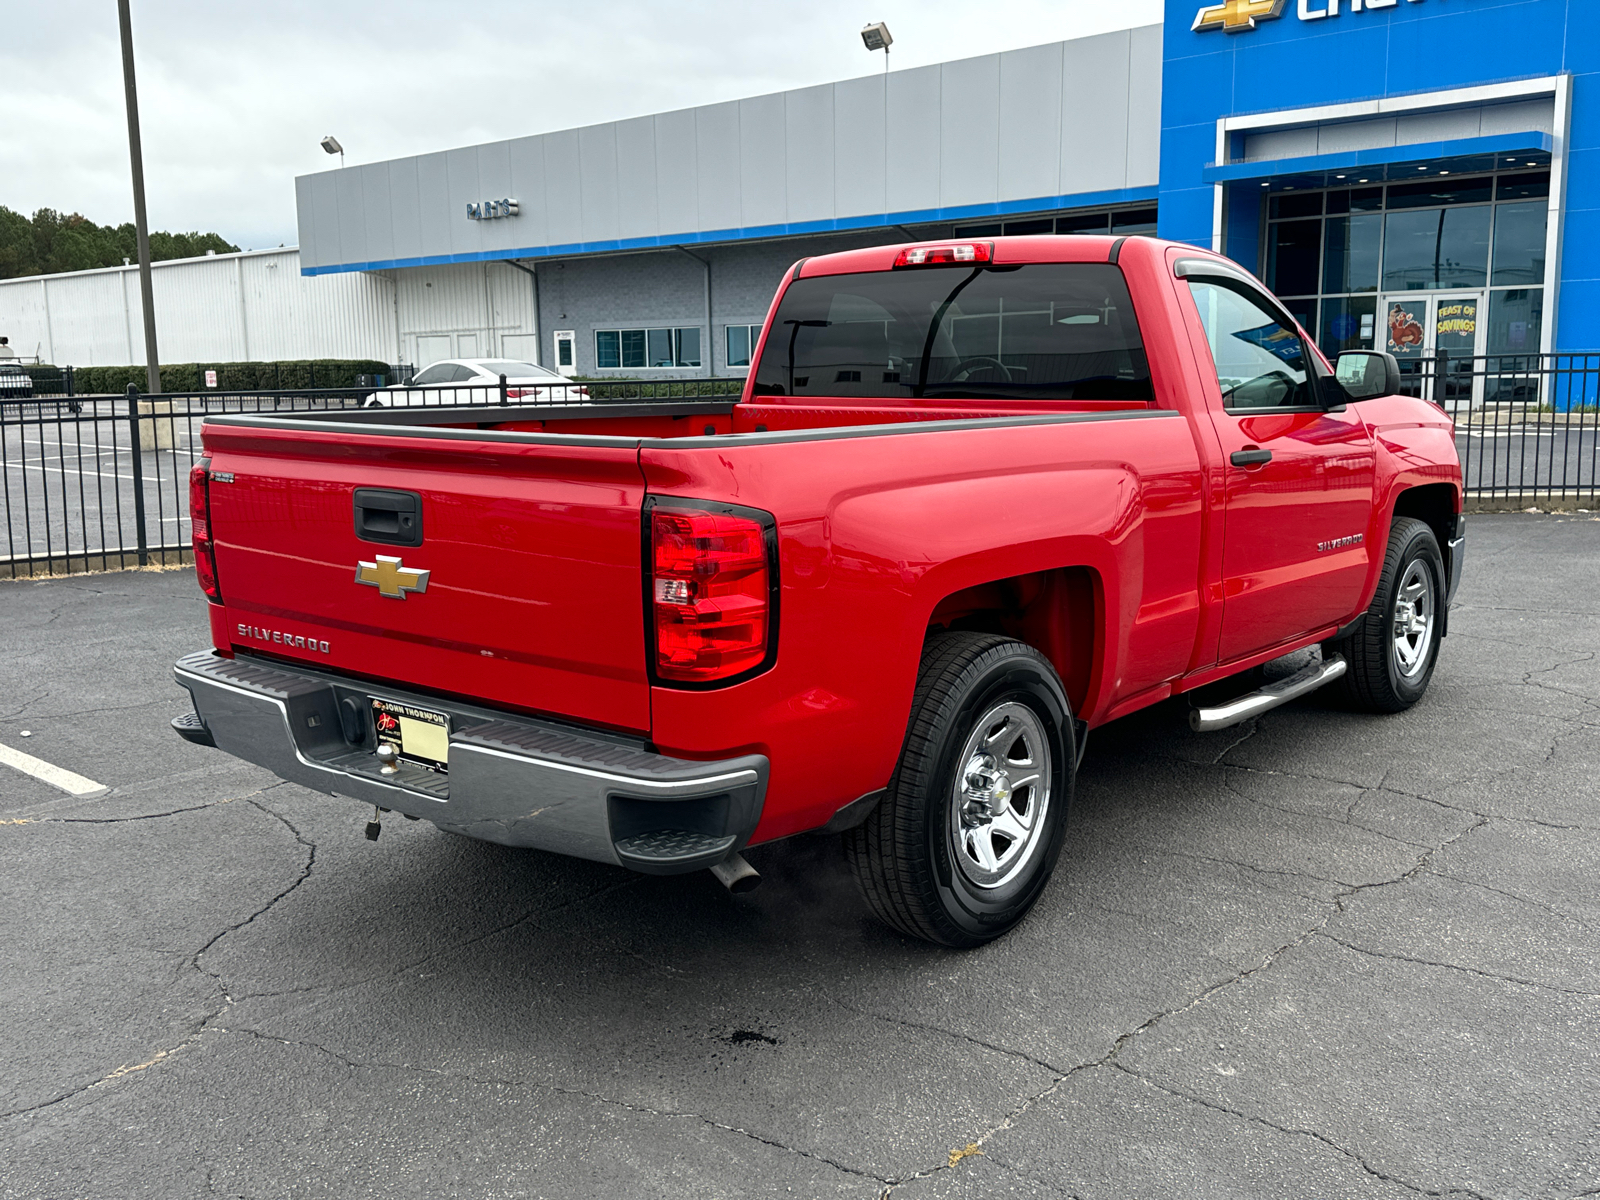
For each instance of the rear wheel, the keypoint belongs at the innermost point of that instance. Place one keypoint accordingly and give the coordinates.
(1394, 646)
(968, 834)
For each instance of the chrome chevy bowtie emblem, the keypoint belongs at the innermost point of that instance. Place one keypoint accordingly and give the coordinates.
(1236, 16)
(391, 577)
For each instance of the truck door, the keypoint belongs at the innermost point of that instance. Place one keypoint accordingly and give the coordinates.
(1298, 478)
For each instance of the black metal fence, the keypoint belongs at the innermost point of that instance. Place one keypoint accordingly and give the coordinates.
(1527, 425)
(94, 483)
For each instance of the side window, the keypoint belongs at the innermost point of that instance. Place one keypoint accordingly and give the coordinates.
(439, 373)
(1260, 361)
(463, 374)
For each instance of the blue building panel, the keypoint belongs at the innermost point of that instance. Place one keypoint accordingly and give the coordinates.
(1385, 74)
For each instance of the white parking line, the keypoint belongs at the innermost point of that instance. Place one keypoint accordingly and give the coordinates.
(73, 785)
(28, 466)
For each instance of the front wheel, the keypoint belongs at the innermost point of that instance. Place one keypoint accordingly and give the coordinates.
(1394, 646)
(968, 833)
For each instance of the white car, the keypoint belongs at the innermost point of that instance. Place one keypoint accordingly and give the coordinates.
(477, 381)
(15, 383)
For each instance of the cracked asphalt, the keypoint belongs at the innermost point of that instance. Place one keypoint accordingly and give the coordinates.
(1320, 956)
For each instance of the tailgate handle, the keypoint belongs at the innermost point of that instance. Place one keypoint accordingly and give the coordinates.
(393, 518)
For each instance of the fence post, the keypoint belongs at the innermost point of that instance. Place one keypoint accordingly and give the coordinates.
(66, 374)
(503, 398)
(138, 475)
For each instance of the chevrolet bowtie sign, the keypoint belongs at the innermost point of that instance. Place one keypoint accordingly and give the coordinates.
(1240, 16)
(391, 577)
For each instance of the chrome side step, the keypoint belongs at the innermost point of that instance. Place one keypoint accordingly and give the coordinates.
(1208, 720)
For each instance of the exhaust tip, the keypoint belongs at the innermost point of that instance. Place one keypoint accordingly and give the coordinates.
(736, 875)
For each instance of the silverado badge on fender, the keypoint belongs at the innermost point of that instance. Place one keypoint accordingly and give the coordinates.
(391, 578)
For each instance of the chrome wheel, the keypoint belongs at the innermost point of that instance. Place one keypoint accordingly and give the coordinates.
(1414, 610)
(1001, 795)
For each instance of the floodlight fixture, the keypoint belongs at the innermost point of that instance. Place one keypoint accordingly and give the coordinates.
(877, 37)
(331, 145)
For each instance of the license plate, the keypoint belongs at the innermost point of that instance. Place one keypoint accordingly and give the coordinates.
(419, 734)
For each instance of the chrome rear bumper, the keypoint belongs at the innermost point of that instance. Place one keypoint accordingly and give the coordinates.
(513, 780)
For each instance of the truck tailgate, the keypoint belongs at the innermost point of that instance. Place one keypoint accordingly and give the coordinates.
(533, 596)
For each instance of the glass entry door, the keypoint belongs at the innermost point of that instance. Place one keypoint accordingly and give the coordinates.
(1439, 341)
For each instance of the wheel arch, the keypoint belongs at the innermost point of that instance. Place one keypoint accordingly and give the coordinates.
(1436, 505)
(1060, 612)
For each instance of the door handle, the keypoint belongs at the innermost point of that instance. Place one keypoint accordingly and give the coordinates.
(1250, 458)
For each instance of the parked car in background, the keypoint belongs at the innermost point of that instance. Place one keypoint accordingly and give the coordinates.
(470, 381)
(15, 383)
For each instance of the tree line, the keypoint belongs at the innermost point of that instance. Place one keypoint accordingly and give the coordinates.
(49, 243)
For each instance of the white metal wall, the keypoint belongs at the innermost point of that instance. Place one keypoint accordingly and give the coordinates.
(254, 306)
(464, 310)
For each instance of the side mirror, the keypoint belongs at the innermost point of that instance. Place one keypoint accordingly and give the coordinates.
(1367, 374)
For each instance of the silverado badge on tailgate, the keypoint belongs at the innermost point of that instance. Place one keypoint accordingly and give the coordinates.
(391, 577)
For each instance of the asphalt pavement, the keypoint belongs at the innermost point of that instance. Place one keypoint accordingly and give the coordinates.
(1318, 956)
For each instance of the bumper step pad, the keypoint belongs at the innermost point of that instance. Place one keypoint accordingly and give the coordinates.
(513, 780)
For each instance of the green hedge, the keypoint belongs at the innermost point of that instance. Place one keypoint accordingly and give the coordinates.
(609, 387)
(231, 377)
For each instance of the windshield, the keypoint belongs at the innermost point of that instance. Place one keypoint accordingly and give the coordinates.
(517, 370)
(1045, 331)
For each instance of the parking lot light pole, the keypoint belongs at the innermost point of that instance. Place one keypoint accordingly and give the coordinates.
(877, 37)
(140, 223)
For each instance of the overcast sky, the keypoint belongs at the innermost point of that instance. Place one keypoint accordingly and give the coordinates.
(235, 95)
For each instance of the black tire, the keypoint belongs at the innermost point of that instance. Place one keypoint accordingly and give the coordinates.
(1378, 680)
(905, 856)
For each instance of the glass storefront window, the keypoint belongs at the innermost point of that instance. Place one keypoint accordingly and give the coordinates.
(1348, 323)
(1090, 223)
(631, 349)
(1519, 231)
(1525, 187)
(1296, 204)
(1134, 220)
(1431, 192)
(1292, 257)
(1436, 248)
(1351, 263)
(1516, 321)
(1385, 247)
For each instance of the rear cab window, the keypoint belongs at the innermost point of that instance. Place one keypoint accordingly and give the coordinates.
(1038, 331)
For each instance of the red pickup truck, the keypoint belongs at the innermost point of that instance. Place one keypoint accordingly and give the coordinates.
(976, 499)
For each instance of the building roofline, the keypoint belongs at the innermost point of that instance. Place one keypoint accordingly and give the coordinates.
(717, 103)
(155, 266)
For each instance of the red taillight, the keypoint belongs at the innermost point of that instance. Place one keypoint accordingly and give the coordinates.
(955, 254)
(710, 596)
(205, 562)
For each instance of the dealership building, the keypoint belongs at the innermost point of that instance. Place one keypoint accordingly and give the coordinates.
(1416, 175)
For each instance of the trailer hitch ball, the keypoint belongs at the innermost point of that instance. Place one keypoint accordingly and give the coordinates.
(389, 757)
